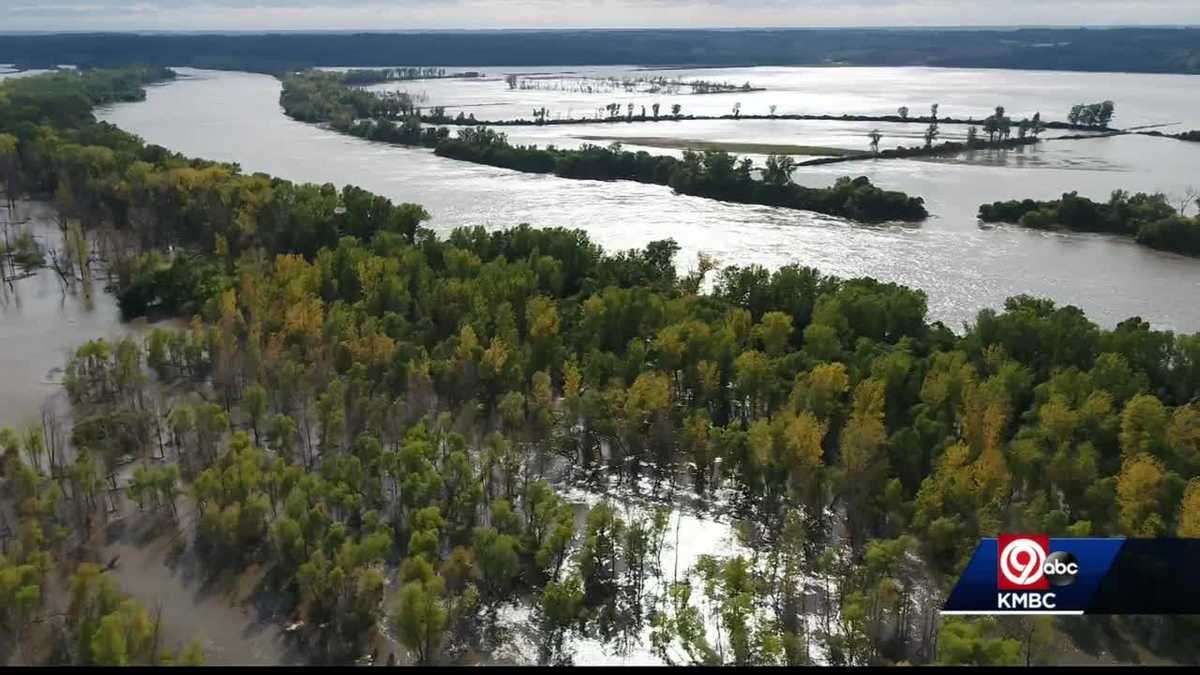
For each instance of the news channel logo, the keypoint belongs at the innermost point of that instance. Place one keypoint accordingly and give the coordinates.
(1033, 574)
(1026, 563)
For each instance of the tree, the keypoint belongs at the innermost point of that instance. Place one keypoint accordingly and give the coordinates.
(108, 645)
(902, 111)
(562, 606)
(775, 332)
(1139, 493)
(254, 401)
(9, 168)
(420, 618)
(875, 137)
(778, 170)
(676, 110)
(499, 560)
(1143, 426)
(599, 553)
(1189, 511)
(976, 643)
(931, 133)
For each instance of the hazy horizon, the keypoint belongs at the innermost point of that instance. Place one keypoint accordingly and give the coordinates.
(385, 31)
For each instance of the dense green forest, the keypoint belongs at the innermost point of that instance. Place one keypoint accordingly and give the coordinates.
(1150, 219)
(1148, 50)
(320, 96)
(380, 416)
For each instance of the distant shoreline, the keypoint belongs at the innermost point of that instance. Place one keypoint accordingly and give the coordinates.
(1174, 50)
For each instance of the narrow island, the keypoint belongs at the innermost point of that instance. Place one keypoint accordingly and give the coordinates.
(1150, 219)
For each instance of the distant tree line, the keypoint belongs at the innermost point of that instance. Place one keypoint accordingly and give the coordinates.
(1148, 50)
(365, 76)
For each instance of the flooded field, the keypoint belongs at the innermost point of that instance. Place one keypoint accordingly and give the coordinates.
(574, 91)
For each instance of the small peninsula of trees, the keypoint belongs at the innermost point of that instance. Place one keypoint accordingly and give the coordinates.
(1148, 218)
(322, 96)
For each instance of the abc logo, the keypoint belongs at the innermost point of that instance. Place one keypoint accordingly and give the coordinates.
(1061, 568)
(1025, 563)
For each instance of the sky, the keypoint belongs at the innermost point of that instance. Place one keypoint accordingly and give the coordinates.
(201, 15)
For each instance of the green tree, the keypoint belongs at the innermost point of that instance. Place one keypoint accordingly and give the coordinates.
(420, 618)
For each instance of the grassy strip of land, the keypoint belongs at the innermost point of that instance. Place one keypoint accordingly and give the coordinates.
(1148, 218)
(939, 149)
(1193, 135)
(469, 120)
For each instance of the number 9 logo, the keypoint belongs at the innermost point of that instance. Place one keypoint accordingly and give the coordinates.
(1022, 561)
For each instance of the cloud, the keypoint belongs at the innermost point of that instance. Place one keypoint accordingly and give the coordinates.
(64, 15)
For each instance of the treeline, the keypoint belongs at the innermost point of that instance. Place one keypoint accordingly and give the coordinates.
(1145, 50)
(365, 76)
(385, 412)
(714, 175)
(1148, 218)
(674, 116)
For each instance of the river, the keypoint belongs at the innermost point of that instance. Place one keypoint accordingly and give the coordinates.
(962, 266)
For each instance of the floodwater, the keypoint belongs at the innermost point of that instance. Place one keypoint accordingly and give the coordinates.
(219, 613)
(1139, 99)
(41, 323)
(962, 266)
